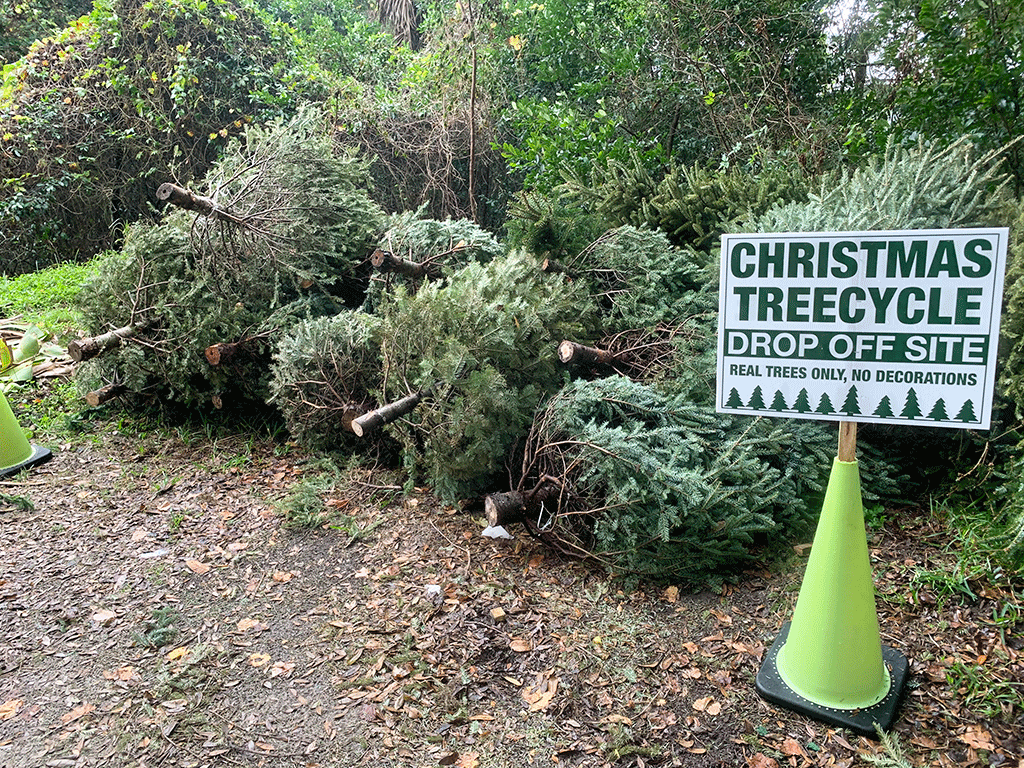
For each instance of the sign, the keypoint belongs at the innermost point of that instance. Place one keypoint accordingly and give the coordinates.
(886, 327)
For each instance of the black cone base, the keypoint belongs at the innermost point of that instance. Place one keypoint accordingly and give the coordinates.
(771, 687)
(39, 456)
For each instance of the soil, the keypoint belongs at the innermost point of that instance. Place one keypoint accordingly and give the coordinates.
(157, 611)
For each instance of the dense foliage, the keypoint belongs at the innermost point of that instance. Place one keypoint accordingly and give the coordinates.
(21, 23)
(938, 70)
(132, 95)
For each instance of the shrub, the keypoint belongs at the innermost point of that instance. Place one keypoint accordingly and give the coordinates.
(134, 94)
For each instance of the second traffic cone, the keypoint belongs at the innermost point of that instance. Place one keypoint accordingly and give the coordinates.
(828, 662)
(16, 453)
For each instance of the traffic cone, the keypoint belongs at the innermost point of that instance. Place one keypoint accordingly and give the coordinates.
(828, 663)
(16, 453)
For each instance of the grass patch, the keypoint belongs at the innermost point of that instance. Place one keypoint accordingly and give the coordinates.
(323, 498)
(48, 298)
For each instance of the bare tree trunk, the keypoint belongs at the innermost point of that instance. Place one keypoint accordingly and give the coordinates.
(384, 261)
(103, 394)
(554, 267)
(91, 346)
(226, 351)
(190, 201)
(504, 508)
(349, 415)
(386, 414)
(571, 353)
(510, 507)
(472, 116)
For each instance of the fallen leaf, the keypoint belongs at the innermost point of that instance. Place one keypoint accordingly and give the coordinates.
(259, 659)
(244, 625)
(10, 708)
(792, 747)
(197, 567)
(761, 760)
(80, 711)
(520, 645)
(977, 737)
(282, 576)
(616, 718)
(671, 594)
(282, 668)
(543, 692)
(177, 653)
(469, 760)
(104, 617)
(124, 674)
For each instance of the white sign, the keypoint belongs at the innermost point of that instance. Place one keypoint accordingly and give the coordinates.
(886, 327)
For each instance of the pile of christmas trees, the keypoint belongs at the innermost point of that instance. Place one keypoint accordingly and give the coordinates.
(577, 392)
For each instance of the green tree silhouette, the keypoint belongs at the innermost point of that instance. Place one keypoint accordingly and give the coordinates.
(938, 411)
(884, 408)
(966, 412)
(825, 404)
(756, 401)
(779, 402)
(802, 403)
(911, 409)
(734, 400)
(850, 405)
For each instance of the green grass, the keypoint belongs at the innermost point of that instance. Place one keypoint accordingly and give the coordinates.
(47, 298)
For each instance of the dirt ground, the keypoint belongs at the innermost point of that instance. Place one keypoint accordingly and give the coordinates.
(156, 611)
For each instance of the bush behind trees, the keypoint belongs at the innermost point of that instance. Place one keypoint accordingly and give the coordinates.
(132, 95)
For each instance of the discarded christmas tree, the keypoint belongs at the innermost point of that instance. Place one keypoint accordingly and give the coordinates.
(479, 353)
(414, 249)
(281, 236)
(324, 375)
(649, 483)
(640, 280)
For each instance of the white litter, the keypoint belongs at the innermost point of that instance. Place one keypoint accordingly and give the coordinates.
(496, 532)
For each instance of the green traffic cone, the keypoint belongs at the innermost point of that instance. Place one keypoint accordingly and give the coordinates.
(16, 453)
(828, 662)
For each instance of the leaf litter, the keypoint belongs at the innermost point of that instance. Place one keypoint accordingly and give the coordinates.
(190, 627)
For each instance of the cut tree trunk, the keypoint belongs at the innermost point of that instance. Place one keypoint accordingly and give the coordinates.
(385, 261)
(571, 353)
(225, 351)
(90, 347)
(554, 267)
(505, 508)
(103, 394)
(509, 507)
(349, 415)
(368, 422)
(190, 201)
